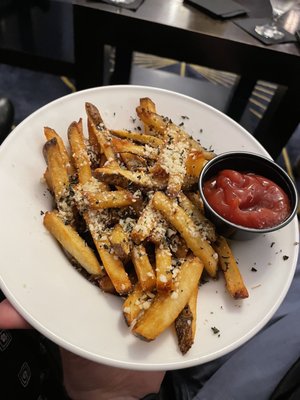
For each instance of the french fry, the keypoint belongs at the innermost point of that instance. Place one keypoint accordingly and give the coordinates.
(135, 304)
(127, 179)
(50, 134)
(57, 172)
(109, 199)
(79, 152)
(139, 137)
(163, 262)
(126, 146)
(134, 162)
(143, 268)
(166, 307)
(199, 219)
(147, 221)
(179, 219)
(99, 131)
(148, 105)
(195, 163)
(185, 324)
(70, 240)
(234, 281)
(120, 242)
(111, 262)
(114, 268)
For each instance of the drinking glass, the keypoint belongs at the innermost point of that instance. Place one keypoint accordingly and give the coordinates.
(271, 30)
(122, 1)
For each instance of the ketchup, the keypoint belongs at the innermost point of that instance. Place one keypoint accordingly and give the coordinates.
(247, 199)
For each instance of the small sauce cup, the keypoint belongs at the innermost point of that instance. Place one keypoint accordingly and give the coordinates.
(246, 162)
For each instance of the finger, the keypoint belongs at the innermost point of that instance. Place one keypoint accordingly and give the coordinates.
(10, 318)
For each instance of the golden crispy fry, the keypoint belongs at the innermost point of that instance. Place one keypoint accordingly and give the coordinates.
(111, 199)
(70, 240)
(139, 137)
(127, 146)
(136, 302)
(134, 162)
(59, 181)
(166, 307)
(179, 219)
(143, 268)
(79, 152)
(57, 172)
(195, 163)
(147, 221)
(127, 179)
(234, 281)
(50, 134)
(111, 262)
(158, 233)
(100, 132)
(163, 261)
(199, 219)
(185, 324)
(114, 268)
(120, 242)
(148, 105)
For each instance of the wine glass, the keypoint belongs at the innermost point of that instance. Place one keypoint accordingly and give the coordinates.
(271, 30)
(122, 1)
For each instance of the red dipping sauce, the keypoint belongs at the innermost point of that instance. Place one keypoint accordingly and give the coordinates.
(247, 199)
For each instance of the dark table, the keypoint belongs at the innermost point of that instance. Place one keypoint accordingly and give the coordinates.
(38, 35)
(171, 28)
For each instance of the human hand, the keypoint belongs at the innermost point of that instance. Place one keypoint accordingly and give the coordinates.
(87, 380)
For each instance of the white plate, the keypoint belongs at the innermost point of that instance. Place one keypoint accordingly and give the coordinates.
(60, 303)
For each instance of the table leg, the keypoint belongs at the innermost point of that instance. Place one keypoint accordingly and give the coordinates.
(240, 97)
(123, 60)
(274, 130)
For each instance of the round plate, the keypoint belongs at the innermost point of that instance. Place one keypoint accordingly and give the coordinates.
(38, 279)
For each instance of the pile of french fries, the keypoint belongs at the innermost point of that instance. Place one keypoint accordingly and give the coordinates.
(127, 213)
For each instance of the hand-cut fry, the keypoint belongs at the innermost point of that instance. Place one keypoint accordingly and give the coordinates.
(136, 303)
(120, 242)
(234, 281)
(127, 179)
(148, 105)
(163, 269)
(127, 146)
(195, 163)
(109, 199)
(172, 159)
(111, 262)
(139, 137)
(114, 268)
(70, 240)
(158, 233)
(134, 162)
(199, 219)
(59, 181)
(50, 134)
(143, 268)
(100, 132)
(147, 221)
(57, 172)
(185, 324)
(166, 307)
(79, 153)
(179, 219)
